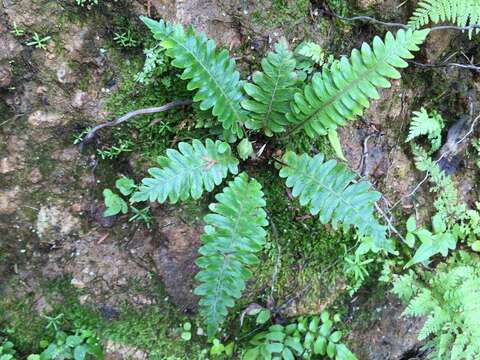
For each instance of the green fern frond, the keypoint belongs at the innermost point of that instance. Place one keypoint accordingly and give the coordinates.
(434, 323)
(421, 304)
(211, 72)
(424, 123)
(272, 91)
(327, 188)
(233, 234)
(312, 51)
(460, 12)
(187, 172)
(341, 91)
(405, 287)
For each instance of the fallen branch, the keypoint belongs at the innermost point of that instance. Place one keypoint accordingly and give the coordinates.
(131, 114)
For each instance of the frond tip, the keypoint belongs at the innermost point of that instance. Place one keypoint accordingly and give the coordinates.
(460, 12)
(233, 235)
(187, 172)
(341, 91)
(327, 188)
(272, 91)
(211, 72)
(424, 123)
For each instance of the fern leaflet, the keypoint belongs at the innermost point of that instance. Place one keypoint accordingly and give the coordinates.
(233, 234)
(272, 91)
(341, 91)
(461, 12)
(187, 172)
(211, 72)
(424, 123)
(328, 190)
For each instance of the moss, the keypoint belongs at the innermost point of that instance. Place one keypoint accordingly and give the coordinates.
(19, 321)
(281, 13)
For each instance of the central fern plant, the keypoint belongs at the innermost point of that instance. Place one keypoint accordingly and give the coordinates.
(274, 102)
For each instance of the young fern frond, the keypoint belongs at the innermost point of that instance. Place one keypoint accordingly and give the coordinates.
(272, 91)
(424, 123)
(211, 72)
(233, 235)
(341, 91)
(449, 297)
(327, 188)
(187, 172)
(459, 12)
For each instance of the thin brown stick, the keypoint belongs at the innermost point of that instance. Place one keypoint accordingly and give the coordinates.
(131, 114)
(400, 25)
(463, 66)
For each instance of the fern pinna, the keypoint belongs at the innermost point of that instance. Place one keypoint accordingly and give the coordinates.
(272, 91)
(328, 190)
(233, 235)
(341, 91)
(187, 172)
(211, 72)
(461, 12)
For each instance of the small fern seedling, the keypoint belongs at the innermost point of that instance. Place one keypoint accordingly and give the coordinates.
(430, 124)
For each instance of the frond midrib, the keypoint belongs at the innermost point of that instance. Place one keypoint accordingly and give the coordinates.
(217, 85)
(342, 92)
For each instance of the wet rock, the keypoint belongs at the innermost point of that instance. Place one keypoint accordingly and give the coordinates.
(175, 259)
(42, 306)
(101, 219)
(77, 283)
(205, 15)
(69, 154)
(80, 99)
(117, 351)
(65, 74)
(7, 165)
(8, 203)
(42, 119)
(387, 335)
(54, 223)
(10, 47)
(5, 76)
(35, 176)
(437, 43)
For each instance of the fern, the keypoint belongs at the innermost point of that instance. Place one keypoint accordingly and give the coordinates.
(187, 172)
(328, 190)
(272, 91)
(449, 297)
(424, 123)
(448, 204)
(460, 12)
(341, 91)
(233, 234)
(211, 72)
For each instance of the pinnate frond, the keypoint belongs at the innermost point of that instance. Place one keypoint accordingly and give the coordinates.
(341, 91)
(329, 190)
(424, 123)
(211, 72)
(233, 235)
(187, 172)
(272, 91)
(460, 12)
